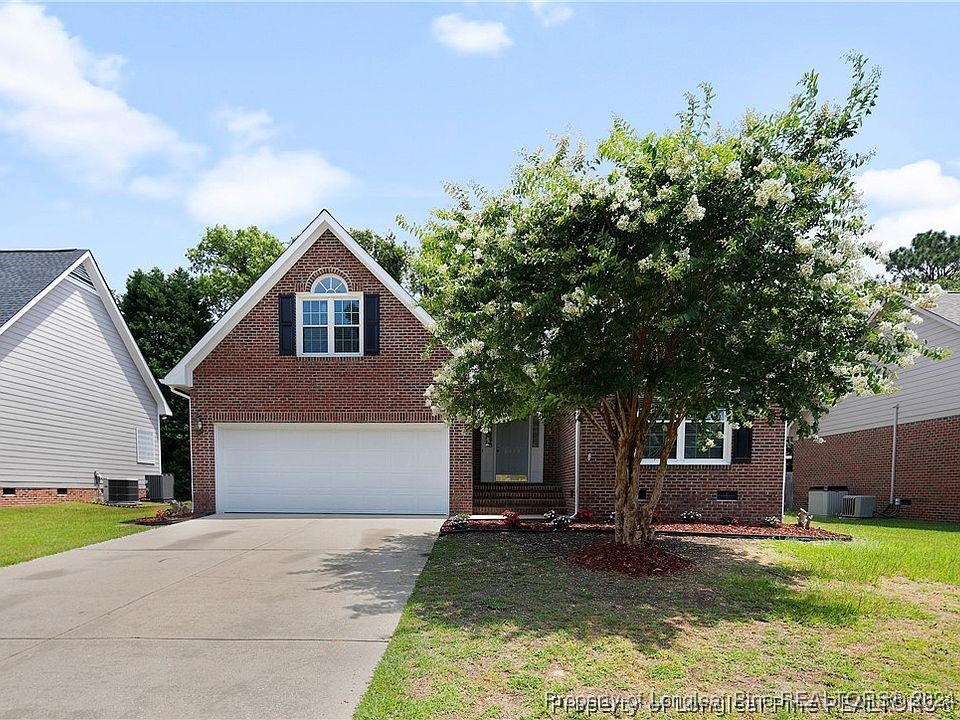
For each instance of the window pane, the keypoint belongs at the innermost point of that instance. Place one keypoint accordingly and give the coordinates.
(346, 312)
(330, 285)
(314, 312)
(346, 339)
(315, 340)
(658, 433)
(697, 434)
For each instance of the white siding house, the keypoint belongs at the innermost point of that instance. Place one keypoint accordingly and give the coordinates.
(928, 390)
(76, 396)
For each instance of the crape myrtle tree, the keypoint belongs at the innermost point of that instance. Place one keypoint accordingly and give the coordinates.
(668, 277)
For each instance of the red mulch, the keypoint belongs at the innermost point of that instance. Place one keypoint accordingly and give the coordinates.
(633, 561)
(781, 532)
(762, 531)
(154, 520)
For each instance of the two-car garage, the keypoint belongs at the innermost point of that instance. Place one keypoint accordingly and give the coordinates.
(382, 468)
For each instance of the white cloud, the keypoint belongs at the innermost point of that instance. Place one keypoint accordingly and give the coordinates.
(470, 37)
(551, 13)
(58, 98)
(264, 186)
(248, 127)
(917, 184)
(908, 200)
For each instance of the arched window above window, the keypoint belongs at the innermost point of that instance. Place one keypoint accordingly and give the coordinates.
(329, 284)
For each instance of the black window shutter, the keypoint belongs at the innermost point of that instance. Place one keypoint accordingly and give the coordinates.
(371, 324)
(742, 445)
(288, 325)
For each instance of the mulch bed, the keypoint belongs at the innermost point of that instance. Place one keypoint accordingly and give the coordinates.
(633, 561)
(781, 532)
(154, 520)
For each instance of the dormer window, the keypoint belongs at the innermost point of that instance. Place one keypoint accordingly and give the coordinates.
(330, 319)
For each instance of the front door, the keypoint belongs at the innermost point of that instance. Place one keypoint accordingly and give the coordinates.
(512, 451)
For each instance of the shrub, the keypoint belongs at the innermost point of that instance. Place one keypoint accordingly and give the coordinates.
(771, 521)
(459, 522)
(691, 516)
(582, 516)
(729, 520)
(562, 522)
(511, 518)
(549, 515)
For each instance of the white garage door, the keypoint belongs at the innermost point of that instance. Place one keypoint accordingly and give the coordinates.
(326, 468)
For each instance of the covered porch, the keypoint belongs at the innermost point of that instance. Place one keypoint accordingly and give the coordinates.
(515, 468)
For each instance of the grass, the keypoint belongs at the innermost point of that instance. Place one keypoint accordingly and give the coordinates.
(37, 530)
(498, 620)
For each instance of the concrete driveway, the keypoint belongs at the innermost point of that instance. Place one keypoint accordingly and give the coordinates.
(236, 616)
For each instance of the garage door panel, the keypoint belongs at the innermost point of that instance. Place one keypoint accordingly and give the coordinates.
(325, 468)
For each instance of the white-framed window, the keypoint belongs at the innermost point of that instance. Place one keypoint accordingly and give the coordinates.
(330, 319)
(687, 450)
(146, 446)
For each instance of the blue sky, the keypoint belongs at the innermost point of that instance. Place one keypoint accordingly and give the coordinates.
(129, 128)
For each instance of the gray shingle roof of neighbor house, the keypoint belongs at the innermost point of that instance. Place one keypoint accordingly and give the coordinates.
(948, 307)
(24, 274)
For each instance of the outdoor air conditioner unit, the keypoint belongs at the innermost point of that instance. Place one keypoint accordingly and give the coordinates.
(859, 506)
(826, 501)
(121, 491)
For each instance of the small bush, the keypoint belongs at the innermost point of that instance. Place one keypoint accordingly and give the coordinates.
(582, 516)
(770, 521)
(729, 520)
(549, 515)
(691, 516)
(562, 522)
(511, 518)
(459, 522)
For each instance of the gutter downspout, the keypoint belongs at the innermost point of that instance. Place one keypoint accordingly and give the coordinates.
(189, 431)
(576, 467)
(893, 453)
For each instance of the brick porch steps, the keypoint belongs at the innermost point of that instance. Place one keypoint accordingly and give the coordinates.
(524, 498)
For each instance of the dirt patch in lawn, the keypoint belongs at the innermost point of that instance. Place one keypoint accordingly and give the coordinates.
(628, 560)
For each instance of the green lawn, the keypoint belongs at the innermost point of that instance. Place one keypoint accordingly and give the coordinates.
(498, 620)
(37, 530)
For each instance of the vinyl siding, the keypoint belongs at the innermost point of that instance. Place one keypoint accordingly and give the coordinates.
(928, 390)
(71, 397)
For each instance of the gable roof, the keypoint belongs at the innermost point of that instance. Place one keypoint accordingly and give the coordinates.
(948, 307)
(26, 276)
(181, 376)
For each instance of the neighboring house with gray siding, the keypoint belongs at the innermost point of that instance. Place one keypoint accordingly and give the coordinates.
(922, 469)
(76, 395)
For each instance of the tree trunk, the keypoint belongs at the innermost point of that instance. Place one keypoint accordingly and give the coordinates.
(645, 531)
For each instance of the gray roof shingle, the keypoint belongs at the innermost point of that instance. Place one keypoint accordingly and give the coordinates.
(948, 307)
(25, 273)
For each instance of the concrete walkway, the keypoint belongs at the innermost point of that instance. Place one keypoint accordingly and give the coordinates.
(236, 616)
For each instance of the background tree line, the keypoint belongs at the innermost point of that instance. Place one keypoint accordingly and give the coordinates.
(168, 313)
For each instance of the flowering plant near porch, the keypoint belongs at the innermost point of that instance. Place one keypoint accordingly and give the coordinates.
(666, 277)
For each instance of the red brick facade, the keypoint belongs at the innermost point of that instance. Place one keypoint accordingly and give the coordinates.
(758, 483)
(47, 495)
(244, 379)
(928, 466)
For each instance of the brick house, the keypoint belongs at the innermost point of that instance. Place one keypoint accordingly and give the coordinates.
(922, 471)
(307, 396)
